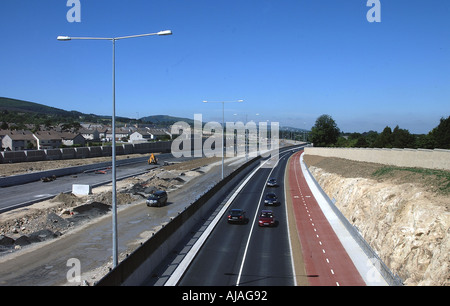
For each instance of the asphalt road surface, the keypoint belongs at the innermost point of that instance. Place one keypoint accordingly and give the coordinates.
(247, 254)
(26, 194)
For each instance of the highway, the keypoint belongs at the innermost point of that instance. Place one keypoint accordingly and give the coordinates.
(29, 193)
(305, 252)
(247, 254)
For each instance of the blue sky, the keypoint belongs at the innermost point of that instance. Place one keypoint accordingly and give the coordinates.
(290, 60)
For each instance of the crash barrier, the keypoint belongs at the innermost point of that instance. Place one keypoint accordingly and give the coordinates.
(134, 269)
(391, 278)
(421, 158)
(83, 152)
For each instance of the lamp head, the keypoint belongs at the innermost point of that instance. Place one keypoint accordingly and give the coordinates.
(165, 32)
(63, 38)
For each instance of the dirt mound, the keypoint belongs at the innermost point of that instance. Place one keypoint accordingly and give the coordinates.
(67, 199)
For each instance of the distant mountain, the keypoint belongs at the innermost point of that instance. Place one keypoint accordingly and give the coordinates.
(293, 129)
(165, 120)
(15, 105)
(11, 108)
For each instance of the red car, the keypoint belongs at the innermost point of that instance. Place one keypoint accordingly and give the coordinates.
(266, 218)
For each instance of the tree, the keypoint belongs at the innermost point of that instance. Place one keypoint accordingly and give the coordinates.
(384, 140)
(401, 138)
(325, 132)
(441, 134)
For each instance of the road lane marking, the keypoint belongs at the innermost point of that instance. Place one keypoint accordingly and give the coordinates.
(183, 265)
(251, 230)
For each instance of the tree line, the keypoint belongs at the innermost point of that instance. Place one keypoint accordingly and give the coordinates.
(325, 133)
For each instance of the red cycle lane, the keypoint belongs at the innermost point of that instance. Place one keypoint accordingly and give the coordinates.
(326, 261)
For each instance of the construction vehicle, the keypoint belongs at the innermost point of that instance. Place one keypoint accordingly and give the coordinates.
(152, 160)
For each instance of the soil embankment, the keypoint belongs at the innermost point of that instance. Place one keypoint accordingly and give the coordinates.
(403, 213)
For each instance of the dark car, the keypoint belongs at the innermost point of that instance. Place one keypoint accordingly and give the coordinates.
(266, 218)
(272, 182)
(158, 198)
(271, 199)
(236, 216)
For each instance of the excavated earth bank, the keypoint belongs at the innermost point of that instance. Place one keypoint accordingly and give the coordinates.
(403, 213)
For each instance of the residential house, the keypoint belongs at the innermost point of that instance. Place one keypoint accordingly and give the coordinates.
(90, 134)
(142, 135)
(70, 139)
(148, 134)
(18, 140)
(53, 140)
(120, 133)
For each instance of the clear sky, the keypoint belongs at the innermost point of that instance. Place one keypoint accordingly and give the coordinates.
(290, 60)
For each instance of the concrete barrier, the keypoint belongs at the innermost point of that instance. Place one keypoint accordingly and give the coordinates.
(106, 151)
(35, 155)
(95, 151)
(128, 149)
(420, 158)
(83, 152)
(81, 189)
(67, 153)
(14, 156)
(53, 154)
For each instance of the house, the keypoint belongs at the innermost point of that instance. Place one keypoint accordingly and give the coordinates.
(148, 134)
(141, 135)
(18, 140)
(120, 133)
(53, 140)
(90, 134)
(70, 139)
(102, 133)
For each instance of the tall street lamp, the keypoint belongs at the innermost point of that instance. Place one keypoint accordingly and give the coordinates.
(223, 123)
(114, 196)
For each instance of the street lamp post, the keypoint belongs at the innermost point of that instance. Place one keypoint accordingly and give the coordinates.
(113, 119)
(223, 123)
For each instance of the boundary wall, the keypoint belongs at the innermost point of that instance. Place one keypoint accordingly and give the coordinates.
(83, 152)
(418, 158)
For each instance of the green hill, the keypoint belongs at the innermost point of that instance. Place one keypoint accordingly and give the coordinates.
(12, 111)
(165, 120)
(15, 105)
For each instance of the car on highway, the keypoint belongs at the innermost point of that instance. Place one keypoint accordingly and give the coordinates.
(271, 199)
(158, 198)
(236, 216)
(272, 182)
(266, 218)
